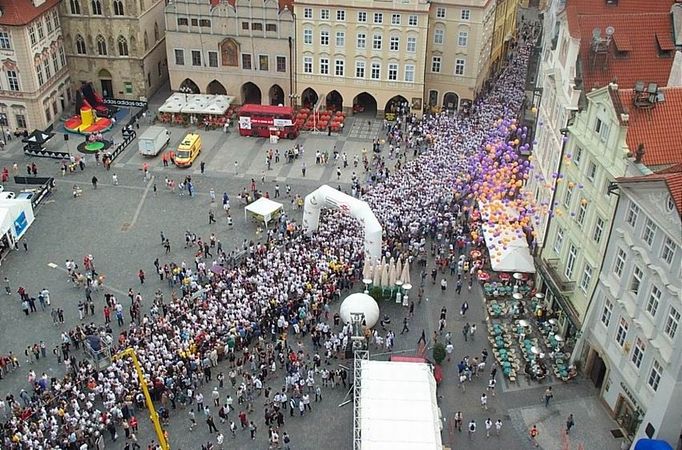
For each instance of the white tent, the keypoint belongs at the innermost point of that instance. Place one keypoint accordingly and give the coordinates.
(16, 215)
(514, 253)
(263, 210)
(173, 104)
(398, 407)
(197, 104)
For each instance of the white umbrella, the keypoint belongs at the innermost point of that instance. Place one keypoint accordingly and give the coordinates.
(406, 273)
(367, 269)
(377, 275)
(399, 269)
(392, 274)
(384, 276)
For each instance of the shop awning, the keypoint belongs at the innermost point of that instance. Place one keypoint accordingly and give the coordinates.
(509, 252)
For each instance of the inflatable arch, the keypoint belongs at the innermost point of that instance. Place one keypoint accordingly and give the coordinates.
(327, 197)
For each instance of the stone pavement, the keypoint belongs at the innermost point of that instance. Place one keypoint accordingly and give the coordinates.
(120, 225)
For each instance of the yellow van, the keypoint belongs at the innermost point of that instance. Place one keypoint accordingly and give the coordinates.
(188, 150)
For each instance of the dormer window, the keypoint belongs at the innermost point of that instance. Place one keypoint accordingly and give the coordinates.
(665, 44)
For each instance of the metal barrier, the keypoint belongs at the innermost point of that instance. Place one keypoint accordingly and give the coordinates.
(128, 138)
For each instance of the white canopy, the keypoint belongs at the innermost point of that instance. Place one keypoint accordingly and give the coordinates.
(263, 209)
(16, 215)
(398, 407)
(197, 104)
(514, 251)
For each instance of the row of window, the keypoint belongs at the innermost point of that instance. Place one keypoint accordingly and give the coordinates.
(96, 7)
(640, 346)
(361, 40)
(102, 48)
(378, 17)
(263, 61)
(39, 29)
(437, 65)
(569, 269)
(668, 248)
(19, 119)
(439, 37)
(45, 71)
(361, 69)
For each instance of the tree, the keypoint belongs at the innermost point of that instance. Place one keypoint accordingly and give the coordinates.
(439, 353)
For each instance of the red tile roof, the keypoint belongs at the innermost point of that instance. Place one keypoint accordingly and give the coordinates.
(657, 128)
(672, 178)
(22, 12)
(639, 27)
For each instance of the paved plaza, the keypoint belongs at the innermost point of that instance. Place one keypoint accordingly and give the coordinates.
(120, 226)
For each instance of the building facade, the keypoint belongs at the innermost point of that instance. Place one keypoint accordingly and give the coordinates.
(34, 79)
(457, 51)
(504, 28)
(117, 45)
(633, 328)
(241, 48)
(366, 55)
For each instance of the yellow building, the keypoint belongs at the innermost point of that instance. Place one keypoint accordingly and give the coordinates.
(458, 51)
(118, 45)
(504, 29)
(34, 79)
(361, 54)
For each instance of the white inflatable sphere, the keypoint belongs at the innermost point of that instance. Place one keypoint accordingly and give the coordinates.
(360, 303)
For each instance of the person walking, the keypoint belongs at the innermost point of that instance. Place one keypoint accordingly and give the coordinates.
(533, 434)
(140, 275)
(405, 327)
(484, 401)
(465, 331)
(472, 428)
(463, 310)
(488, 427)
(548, 396)
(570, 423)
(211, 424)
(303, 169)
(498, 426)
(459, 417)
(94, 182)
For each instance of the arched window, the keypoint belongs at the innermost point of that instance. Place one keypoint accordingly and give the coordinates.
(122, 46)
(156, 32)
(101, 45)
(146, 41)
(96, 7)
(75, 6)
(80, 45)
(118, 8)
(229, 53)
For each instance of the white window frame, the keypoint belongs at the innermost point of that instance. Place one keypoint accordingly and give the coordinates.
(436, 64)
(622, 331)
(654, 300)
(324, 38)
(672, 323)
(440, 12)
(586, 278)
(181, 53)
(601, 127)
(409, 73)
(438, 36)
(13, 81)
(5, 41)
(307, 13)
(392, 74)
(308, 36)
(394, 43)
(558, 241)
(619, 265)
(361, 41)
(598, 229)
(582, 212)
(465, 14)
(591, 172)
(377, 41)
(655, 374)
(638, 350)
(324, 14)
(396, 19)
(340, 39)
(460, 66)
(212, 53)
(568, 196)
(411, 44)
(339, 68)
(362, 16)
(636, 280)
(307, 64)
(632, 214)
(324, 66)
(570, 260)
(577, 156)
(192, 54)
(340, 15)
(463, 39)
(378, 18)
(375, 71)
(668, 250)
(649, 232)
(360, 67)
(413, 20)
(606, 313)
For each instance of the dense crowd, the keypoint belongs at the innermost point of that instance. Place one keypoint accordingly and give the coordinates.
(256, 313)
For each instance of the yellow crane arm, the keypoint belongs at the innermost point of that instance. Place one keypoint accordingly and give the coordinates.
(153, 415)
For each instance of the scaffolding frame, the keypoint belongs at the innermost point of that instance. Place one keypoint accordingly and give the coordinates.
(359, 356)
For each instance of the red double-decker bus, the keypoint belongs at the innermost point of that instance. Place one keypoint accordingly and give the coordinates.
(267, 120)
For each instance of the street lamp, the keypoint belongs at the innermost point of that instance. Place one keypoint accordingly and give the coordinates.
(3, 121)
(293, 99)
(185, 90)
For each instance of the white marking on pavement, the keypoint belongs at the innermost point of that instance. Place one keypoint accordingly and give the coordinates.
(139, 205)
(53, 265)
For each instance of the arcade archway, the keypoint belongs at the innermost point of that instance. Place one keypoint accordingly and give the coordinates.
(189, 85)
(394, 104)
(365, 103)
(309, 98)
(215, 87)
(334, 101)
(276, 95)
(451, 101)
(250, 94)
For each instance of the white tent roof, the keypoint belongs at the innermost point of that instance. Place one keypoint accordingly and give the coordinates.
(197, 104)
(263, 207)
(499, 210)
(398, 407)
(515, 258)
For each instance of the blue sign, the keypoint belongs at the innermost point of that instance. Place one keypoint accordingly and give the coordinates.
(20, 224)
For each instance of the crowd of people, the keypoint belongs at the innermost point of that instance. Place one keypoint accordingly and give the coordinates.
(258, 314)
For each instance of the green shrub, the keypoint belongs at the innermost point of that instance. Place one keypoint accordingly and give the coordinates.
(439, 353)
(376, 294)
